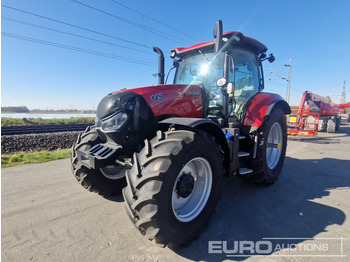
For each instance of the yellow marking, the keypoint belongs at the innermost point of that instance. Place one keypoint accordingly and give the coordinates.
(279, 146)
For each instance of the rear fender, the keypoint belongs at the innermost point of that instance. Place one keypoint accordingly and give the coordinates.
(206, 125)
(261, 107)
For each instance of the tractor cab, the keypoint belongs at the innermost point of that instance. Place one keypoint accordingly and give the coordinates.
(229, 76)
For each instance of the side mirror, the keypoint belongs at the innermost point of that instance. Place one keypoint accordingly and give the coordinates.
(230, 88)
(221, 82)
(271, 58)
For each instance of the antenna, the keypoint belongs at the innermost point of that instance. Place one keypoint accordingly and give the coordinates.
(342, 101)
(289, 79)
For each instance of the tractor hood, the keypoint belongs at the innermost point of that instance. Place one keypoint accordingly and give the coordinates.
(170, 100)
(127, 117)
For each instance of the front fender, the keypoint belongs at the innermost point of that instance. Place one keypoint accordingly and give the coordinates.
(260, 108)
(206, 125)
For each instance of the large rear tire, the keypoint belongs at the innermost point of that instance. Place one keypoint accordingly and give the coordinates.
(322, 126)
(271, 150)
(337, 123)
(174, 185)
(108, 180)
(331, 126)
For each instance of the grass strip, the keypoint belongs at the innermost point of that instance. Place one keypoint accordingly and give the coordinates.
(23, 158)
(6, 121)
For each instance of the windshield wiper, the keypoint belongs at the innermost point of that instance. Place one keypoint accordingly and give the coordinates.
(206, 58)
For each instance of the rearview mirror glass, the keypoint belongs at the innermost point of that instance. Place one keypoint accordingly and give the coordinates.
(221, 82)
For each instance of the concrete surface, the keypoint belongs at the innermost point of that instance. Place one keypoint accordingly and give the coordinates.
(48, 216)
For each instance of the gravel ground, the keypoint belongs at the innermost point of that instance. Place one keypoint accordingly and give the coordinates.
(37, 142)
(47, 216)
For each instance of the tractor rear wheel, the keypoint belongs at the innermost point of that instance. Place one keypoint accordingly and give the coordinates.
(108, 180)
(271, 150)
(337, 123)
(322, 126)
(174, 185)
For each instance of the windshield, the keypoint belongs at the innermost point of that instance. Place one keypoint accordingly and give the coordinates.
(201, 69)
(206, 68)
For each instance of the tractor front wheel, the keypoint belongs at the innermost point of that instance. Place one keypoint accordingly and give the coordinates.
(174, 185)
(108, 180)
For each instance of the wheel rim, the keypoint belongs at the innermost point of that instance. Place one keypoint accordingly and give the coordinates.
(192, 189)
(274, 145)
(113, 172)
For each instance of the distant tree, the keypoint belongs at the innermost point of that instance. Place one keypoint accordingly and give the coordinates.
(15, 109)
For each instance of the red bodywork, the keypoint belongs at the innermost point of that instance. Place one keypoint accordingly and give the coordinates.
(186, 101)
(172, 100)
(343, 108)
(325, 105)
(258, 107)
(312, 108)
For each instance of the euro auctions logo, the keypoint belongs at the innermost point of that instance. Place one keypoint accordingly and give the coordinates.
(240, 247)
(280, 247)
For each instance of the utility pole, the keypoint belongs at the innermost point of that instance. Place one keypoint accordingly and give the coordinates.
(289, 79)
(343, 95)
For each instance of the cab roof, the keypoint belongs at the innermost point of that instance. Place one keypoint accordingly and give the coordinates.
(247, 42)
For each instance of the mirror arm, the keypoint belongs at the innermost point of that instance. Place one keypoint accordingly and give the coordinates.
(224, 88)
(218, 43)
(233, 75)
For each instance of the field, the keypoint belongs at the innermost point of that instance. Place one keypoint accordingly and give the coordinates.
(5, 121)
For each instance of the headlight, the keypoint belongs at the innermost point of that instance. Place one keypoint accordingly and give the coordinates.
(114, 123)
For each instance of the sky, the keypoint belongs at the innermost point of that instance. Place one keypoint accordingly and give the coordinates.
(64, 54)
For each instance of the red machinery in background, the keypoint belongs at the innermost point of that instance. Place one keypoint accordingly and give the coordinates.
(315, 113)
(345, 111)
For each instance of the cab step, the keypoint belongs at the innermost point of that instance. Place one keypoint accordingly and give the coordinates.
(243, 154)
(245, 171)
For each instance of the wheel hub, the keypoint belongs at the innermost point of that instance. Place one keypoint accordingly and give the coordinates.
(274, 145)
(192, 189)
(185, 185)
(113, 172)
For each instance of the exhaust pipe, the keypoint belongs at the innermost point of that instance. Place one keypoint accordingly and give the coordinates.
(218, 36)
(160, 73)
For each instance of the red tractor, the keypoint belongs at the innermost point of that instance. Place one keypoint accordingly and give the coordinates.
(167, 147)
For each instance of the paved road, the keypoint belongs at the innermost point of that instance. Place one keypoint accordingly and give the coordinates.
(48, 216)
